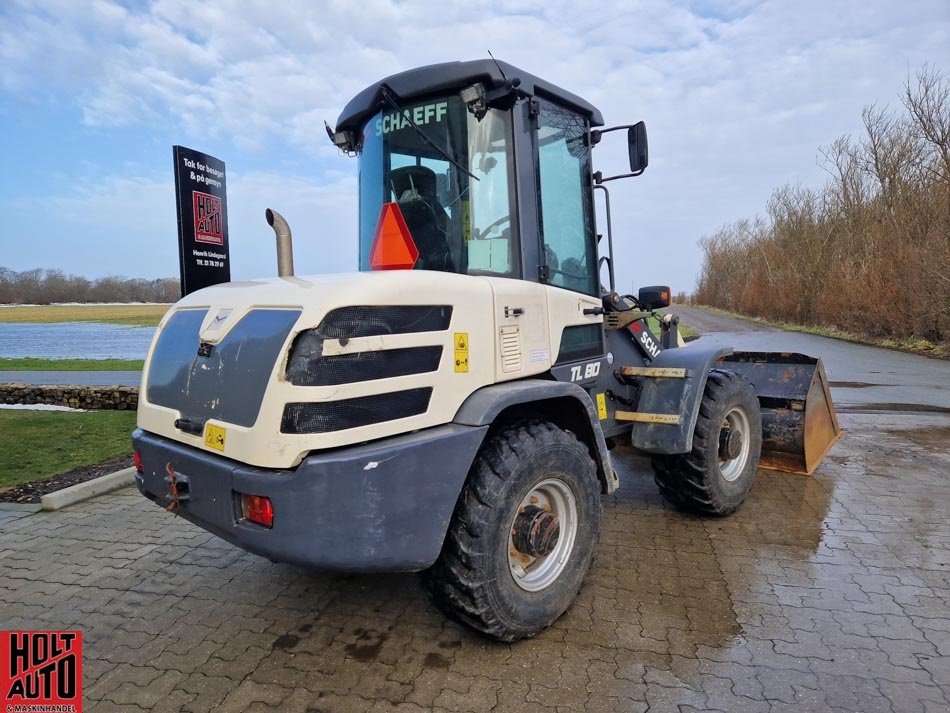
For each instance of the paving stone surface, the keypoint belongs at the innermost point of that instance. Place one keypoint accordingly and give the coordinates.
(829, 593)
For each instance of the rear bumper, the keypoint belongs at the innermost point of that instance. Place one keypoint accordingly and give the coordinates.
(383, 506)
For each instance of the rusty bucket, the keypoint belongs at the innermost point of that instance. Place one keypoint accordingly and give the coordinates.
(799, 424)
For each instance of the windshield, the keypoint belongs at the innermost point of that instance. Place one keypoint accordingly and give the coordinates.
(457, 222)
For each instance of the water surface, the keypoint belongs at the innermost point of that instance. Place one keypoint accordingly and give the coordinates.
(77, 340)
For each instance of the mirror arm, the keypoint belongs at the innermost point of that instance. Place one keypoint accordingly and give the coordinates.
(599, 177)
(596, 134)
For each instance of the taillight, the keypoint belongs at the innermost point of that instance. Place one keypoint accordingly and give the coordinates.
(258, 509)
(137, 461)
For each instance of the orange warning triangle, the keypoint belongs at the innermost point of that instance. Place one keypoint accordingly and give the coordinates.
(393, 246)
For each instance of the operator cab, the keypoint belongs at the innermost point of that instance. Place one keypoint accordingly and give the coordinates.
(476, 168)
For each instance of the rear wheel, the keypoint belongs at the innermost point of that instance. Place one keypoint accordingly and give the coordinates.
(523, 533)
(715, 476)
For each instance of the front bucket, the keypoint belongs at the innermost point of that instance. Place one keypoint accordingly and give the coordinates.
(799, 424)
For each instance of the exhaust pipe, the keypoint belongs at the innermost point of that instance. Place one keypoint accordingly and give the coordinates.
(285, 245)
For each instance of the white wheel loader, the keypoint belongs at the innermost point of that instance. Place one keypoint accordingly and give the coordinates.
(450, 407)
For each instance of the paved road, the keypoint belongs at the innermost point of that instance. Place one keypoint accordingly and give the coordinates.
(829, 593)
(73, 378)
(861, 377)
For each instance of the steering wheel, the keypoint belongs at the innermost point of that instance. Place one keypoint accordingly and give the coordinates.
(480, 234)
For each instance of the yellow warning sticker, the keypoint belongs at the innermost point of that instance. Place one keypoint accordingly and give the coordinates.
(601, 407)
(461, 352)
(214, 437)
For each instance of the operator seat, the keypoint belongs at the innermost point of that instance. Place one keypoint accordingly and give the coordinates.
(416, 195)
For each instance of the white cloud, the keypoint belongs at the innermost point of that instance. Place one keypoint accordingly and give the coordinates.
(126, 225)
(737, 96)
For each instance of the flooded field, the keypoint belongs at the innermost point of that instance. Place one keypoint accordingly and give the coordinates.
(78, 340)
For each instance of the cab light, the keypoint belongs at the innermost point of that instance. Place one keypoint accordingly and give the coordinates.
(137, 462)
(258, 509)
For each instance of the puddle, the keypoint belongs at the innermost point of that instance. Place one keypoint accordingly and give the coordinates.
(908, 408)
(933, 438)
(369, 643)
(285, 642)
(436, 661)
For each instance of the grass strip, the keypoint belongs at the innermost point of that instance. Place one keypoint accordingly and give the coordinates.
(40, 444)
(129, 315)
(39, 364)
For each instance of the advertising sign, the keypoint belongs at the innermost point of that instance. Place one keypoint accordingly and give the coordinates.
(41, 671)
(200, 188)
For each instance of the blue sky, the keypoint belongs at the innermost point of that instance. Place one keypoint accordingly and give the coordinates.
(737, 96)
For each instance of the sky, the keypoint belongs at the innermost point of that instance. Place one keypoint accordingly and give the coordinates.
(737, 97)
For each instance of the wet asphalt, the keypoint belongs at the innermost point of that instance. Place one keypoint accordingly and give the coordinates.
(861, 377)
(822, 593)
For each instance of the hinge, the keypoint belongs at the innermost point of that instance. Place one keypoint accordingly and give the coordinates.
(543, 273)
(534, 107)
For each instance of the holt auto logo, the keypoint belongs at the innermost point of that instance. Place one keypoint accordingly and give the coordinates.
(41, 671)
(208, 218)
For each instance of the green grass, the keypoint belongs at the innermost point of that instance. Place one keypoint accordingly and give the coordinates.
(130, 315)
(40, 444)
(38, 364)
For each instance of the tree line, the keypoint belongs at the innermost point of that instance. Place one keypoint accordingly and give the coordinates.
(51, 286)
(867, 253)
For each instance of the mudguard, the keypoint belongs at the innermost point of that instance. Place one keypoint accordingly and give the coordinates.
(485, 405)
(678, 397)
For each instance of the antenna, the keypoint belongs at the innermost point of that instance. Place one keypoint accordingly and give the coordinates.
(497, 65)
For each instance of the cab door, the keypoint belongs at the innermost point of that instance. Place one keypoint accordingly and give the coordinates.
(566, 211)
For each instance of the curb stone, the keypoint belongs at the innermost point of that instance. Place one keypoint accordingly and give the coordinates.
(88, 490)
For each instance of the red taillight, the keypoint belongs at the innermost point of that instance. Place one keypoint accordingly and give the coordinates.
(137, 461)
(259, 509)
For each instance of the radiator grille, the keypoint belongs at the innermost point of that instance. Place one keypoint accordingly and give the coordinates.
(511, 349)
(351, 413)
(370, 321)
(308, 369)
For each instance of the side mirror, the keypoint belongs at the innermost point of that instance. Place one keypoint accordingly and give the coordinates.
(655, 297)
(637, 146)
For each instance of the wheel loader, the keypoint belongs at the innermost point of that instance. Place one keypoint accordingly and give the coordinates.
(450, 407)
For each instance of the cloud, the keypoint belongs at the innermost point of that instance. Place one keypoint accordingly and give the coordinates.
(737, 95)
(126, 225)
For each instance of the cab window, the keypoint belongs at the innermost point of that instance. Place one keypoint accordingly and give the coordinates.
(567, 225)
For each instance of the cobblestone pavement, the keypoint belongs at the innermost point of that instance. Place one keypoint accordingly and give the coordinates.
(823, 593)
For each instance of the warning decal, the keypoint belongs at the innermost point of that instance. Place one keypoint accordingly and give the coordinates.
(215, 437)
(461, 352)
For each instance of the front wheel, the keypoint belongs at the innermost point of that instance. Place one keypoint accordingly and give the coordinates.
(523, 534)
(715, 476)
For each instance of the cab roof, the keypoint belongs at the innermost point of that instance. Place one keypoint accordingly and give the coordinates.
(453, 76)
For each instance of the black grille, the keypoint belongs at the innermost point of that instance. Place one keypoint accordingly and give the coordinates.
(352, 413)
(308, 369)
(350, 322)
(225, 383)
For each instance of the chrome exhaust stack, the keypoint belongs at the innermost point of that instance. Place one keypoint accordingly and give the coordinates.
(285, 244)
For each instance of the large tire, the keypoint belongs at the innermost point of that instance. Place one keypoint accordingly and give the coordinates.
(482, 578)
(715, 476)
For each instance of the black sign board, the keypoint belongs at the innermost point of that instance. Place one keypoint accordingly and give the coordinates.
(200, 186)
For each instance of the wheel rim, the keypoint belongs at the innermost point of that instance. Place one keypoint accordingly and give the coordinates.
(732, 456)
(551, 497)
